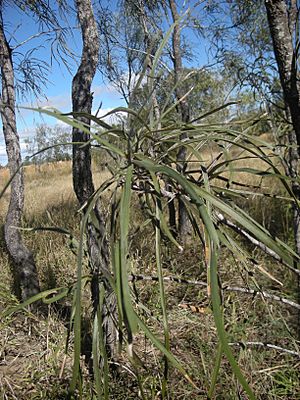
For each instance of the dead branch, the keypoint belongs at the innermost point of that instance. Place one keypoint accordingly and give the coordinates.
(254, 241)
(267, 345)
(254, 292)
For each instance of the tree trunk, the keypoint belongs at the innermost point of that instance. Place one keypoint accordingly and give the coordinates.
(184, 226)
(24, 269)
(282, 19)
(282, 22)
(82, 99)
(82, 173)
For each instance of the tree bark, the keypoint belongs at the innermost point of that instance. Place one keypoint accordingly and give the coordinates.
(282, 19)
(82, 99)
(282, 22)
(184, 226)
(24, 268)
(82, 172)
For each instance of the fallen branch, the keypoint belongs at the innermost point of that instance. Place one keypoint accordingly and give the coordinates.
(268, 345)
(135, 278)
(264, 294)
(254, 241)
(254, 292)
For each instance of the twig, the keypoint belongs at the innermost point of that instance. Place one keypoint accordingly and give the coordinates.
(10, 387)
(266, 295)
(254, 241)
(263, 294)
(135, 278)
(63, 364)
(37, 35)
(268, 345)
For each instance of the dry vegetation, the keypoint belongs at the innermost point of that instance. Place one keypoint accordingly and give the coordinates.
(33, 363)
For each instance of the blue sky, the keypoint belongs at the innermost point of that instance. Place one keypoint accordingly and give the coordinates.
(57, 93)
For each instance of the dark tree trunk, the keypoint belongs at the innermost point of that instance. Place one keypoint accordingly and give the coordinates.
(82, 99)
(24, 269)
(82, 172)
(184, 226)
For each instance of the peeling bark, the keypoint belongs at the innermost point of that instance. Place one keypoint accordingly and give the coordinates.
(82, 173)
(24, 268)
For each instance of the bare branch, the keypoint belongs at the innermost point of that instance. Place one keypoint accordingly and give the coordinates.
(268, 345)
(264, 294)
(254, 241)
(254, 292)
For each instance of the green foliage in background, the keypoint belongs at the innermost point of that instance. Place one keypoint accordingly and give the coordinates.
(50, 136)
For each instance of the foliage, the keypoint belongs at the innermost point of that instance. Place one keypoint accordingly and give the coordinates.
(31, 72)
(207, 91)
(240, 41)
(50, 144)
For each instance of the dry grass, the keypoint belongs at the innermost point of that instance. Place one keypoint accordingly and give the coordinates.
(32, 357)
(33, 364)
(47, 186)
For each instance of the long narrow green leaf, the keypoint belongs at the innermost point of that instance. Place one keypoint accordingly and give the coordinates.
(77, 308)
(65, 118)
(96, 356)
(258, 231)
(161, 284)
(47, 296)
(124, 230)
(102, 342)
(118, 275)
(214, 111)
(159, 51)
(218, 316)
(215, 373)
(167, 171)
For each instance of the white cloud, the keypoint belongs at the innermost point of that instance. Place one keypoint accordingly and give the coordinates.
(61, 101)
(104, 89)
